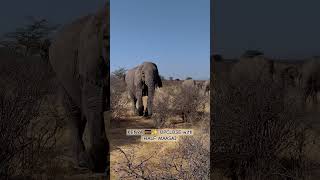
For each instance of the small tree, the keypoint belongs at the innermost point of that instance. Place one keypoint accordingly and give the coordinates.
(120, 73)
(34, 38)
(188, 78)
(252, 53)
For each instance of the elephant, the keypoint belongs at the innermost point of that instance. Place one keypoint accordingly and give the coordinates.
(311, 79)
(142, 81)
(189, 83)
(79, 56)
(252, 69)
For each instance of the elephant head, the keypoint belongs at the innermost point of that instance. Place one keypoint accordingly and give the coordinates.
(142, 81)
(79, 55)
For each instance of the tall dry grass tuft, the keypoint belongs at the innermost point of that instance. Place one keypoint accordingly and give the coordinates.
(28, 126)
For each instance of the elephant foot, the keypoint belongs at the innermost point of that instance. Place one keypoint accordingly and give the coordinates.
(85, 161)
(140, 112)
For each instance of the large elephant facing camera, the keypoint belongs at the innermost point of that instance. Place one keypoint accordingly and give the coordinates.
(79, 55)
(142, 81)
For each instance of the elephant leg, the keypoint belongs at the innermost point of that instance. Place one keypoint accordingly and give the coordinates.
(134, 102)
(150, 102)
(77, 126)
(94, 102)
(139, 103)
(145, 105)
(134, 108)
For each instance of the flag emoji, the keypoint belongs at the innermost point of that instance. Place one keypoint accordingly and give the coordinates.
(147, 131)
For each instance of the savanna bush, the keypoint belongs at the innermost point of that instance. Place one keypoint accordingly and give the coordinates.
(184, 102)
(28, 127)
(119, 97)
(257, 124)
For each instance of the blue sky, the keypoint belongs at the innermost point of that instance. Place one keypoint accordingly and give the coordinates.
(173, 34)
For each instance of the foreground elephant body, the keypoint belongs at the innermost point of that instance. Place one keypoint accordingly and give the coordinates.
(142, 81)
(79, 55)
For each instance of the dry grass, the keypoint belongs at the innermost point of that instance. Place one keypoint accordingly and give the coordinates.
(185, 159)
(28, 123)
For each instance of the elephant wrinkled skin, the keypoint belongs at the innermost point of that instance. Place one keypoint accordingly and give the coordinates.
(142, 81)
(79, 55)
